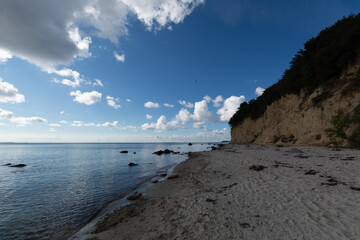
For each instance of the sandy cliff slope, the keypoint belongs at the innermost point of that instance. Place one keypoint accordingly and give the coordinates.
(327, 116)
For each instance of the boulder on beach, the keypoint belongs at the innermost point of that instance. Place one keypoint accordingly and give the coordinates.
(134, 196)
(172, 176)
(124, 151)
(18, 165)
(132, 164)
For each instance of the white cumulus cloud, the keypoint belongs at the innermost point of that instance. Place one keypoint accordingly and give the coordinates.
(119, 58)
(231, 105)
(87, 98)
(168, 105)
(98, 83)
(186, 104)
(111, 124)
(4, 55)
(159, 126)
(217, 101)
(151, 105)
(202, 113)
(112, 102)
(5, 113)
(128, 100)
(9, 93)
(259, 91)
(148, 116)
(27, 120)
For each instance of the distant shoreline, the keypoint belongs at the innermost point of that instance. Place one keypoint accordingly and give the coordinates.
(304, 192)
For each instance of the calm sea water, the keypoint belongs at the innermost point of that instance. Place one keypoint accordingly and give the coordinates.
(63, 185)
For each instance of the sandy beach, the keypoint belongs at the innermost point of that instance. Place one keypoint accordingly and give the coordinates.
(299, 193)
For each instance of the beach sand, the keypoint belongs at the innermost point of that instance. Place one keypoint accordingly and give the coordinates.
(303, 193)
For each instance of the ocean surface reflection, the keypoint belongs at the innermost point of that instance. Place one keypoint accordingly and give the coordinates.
(63, 185)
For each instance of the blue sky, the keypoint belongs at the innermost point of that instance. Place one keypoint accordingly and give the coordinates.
(141, 71)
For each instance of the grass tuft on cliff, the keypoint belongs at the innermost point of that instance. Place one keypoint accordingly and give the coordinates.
(320, 63)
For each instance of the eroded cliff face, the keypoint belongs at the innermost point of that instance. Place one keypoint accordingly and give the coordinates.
(301, 120)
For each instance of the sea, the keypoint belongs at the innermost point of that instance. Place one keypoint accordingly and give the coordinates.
(64, 186)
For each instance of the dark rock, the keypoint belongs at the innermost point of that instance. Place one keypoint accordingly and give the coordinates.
(160, 152)
(8, 164)
(300, 155)
(18, 165)
(172, 176)
(134, 152)
(132, 164)
(167, 151)
(245, 225)
(154, 181)
(213, 148)
(355, 188)
(257, 167)
(210, 200)
(163, 174)
(124, 151)
(311, 172)
(190, 144)
(134, 197)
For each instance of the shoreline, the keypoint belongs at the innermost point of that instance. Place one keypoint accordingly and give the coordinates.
(303, 193)
(107, 208)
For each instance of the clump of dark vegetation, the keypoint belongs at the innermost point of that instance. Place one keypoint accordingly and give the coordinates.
(341, 122)
(320, 63)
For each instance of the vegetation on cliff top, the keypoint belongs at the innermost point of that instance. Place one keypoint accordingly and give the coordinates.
(321, 62)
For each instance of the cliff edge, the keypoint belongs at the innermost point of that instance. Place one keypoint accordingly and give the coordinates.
(317, 101)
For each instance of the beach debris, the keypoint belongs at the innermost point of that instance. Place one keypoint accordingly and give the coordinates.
(172, 176)
(300, 155)
(166, 151)
(190, 144)
(210, 200)
(348, 158)
(124, 151)
(132, 164)
(355, 188)
(332, 182)
(311, 172)
(244, 225)
(134, 196)
(18, 165)
(257, 167)
(295, 150)
(281, 164)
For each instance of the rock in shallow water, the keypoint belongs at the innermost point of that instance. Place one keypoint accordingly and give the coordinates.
(124, 151)
(134, 197)
(132, 164)
(18, 165)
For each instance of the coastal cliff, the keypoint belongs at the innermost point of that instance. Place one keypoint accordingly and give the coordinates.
(317, 101)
